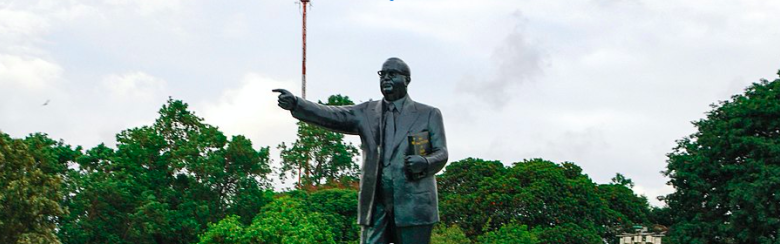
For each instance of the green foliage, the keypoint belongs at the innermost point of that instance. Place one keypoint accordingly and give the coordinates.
(511, 233)
(228, 230)
(726, 173)
(543, 195)
(626, 207)
(662, 216)
(462, 190)
(549, 194)
(443, 234)
(321, 155)
(180, 180)
(339, 208)
(30, 188)
(164, 183)
(567, 233)
(619, 179)
(283, 221)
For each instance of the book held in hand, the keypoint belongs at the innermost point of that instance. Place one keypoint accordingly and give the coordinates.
(419, 144)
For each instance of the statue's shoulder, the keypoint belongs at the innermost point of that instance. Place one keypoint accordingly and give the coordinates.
(424, 107)
(368, 104)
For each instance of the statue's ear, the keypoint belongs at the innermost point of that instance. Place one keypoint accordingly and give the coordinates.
(408, 80)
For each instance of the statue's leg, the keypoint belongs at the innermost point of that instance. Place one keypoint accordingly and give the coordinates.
(382, 229)
(417, 234)
(380, 232)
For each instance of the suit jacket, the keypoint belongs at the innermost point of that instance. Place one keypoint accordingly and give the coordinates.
(415, 201)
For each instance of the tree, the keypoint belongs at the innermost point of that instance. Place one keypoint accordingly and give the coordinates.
(552, 199)
(726, 173)
(663, 217)
(30, 188)
(567, 233)
(443, 234)
(510, 233)
(165, 182)
(339, 208)
(626, 208)
(462, 191)
(553, 195)
(619, 179)
(229, 230)
(319, 155)
(283, 221)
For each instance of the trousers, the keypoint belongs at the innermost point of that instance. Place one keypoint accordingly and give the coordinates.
(383, 229)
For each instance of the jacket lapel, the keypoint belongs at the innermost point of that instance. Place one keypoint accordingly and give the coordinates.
(375, 120)
(407, 118)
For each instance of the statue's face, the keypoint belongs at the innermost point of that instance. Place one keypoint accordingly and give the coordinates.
(392, 81)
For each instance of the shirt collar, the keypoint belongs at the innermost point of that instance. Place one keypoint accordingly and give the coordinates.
(399, 104)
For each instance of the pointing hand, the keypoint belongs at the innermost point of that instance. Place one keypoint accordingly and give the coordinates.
(287, 100)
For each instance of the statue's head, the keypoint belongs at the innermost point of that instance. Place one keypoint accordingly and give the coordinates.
(394, 78)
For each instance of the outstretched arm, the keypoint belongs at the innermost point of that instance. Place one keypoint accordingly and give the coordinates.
(337, 118)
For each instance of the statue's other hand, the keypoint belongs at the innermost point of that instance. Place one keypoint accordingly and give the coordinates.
(415, 164)
(286, 99)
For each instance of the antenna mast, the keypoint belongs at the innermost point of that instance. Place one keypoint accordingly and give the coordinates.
(303, 81)
(303, 67)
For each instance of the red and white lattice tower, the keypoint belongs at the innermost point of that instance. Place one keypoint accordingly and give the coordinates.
(304, 4)
(303, 66)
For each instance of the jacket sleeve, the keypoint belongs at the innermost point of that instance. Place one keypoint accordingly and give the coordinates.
(438, 156)
(338, 118)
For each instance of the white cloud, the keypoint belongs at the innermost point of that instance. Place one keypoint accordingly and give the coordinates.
(149, 7)
(517, 60)
(25, 23)
(77, 11)
(251, 110)
(133, 86)
(20, 31)
(30, 73)
(122, 101)
(26, 83)
(446, 21)
(237, 27)
(652, 193)
(21, 24)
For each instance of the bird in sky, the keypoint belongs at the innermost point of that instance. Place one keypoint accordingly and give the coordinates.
(46, 103)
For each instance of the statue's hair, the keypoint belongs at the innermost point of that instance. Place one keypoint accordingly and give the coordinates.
(406, 71)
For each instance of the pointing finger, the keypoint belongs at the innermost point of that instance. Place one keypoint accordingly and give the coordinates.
(282, 91)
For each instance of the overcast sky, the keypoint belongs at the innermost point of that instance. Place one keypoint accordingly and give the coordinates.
(608, 85)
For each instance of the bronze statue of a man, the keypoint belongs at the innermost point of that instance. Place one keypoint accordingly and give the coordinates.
(398, 202)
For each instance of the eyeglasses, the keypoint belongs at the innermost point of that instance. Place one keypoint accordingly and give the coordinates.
(391, 74)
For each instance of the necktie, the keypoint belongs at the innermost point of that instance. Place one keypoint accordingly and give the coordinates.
(389, 134)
